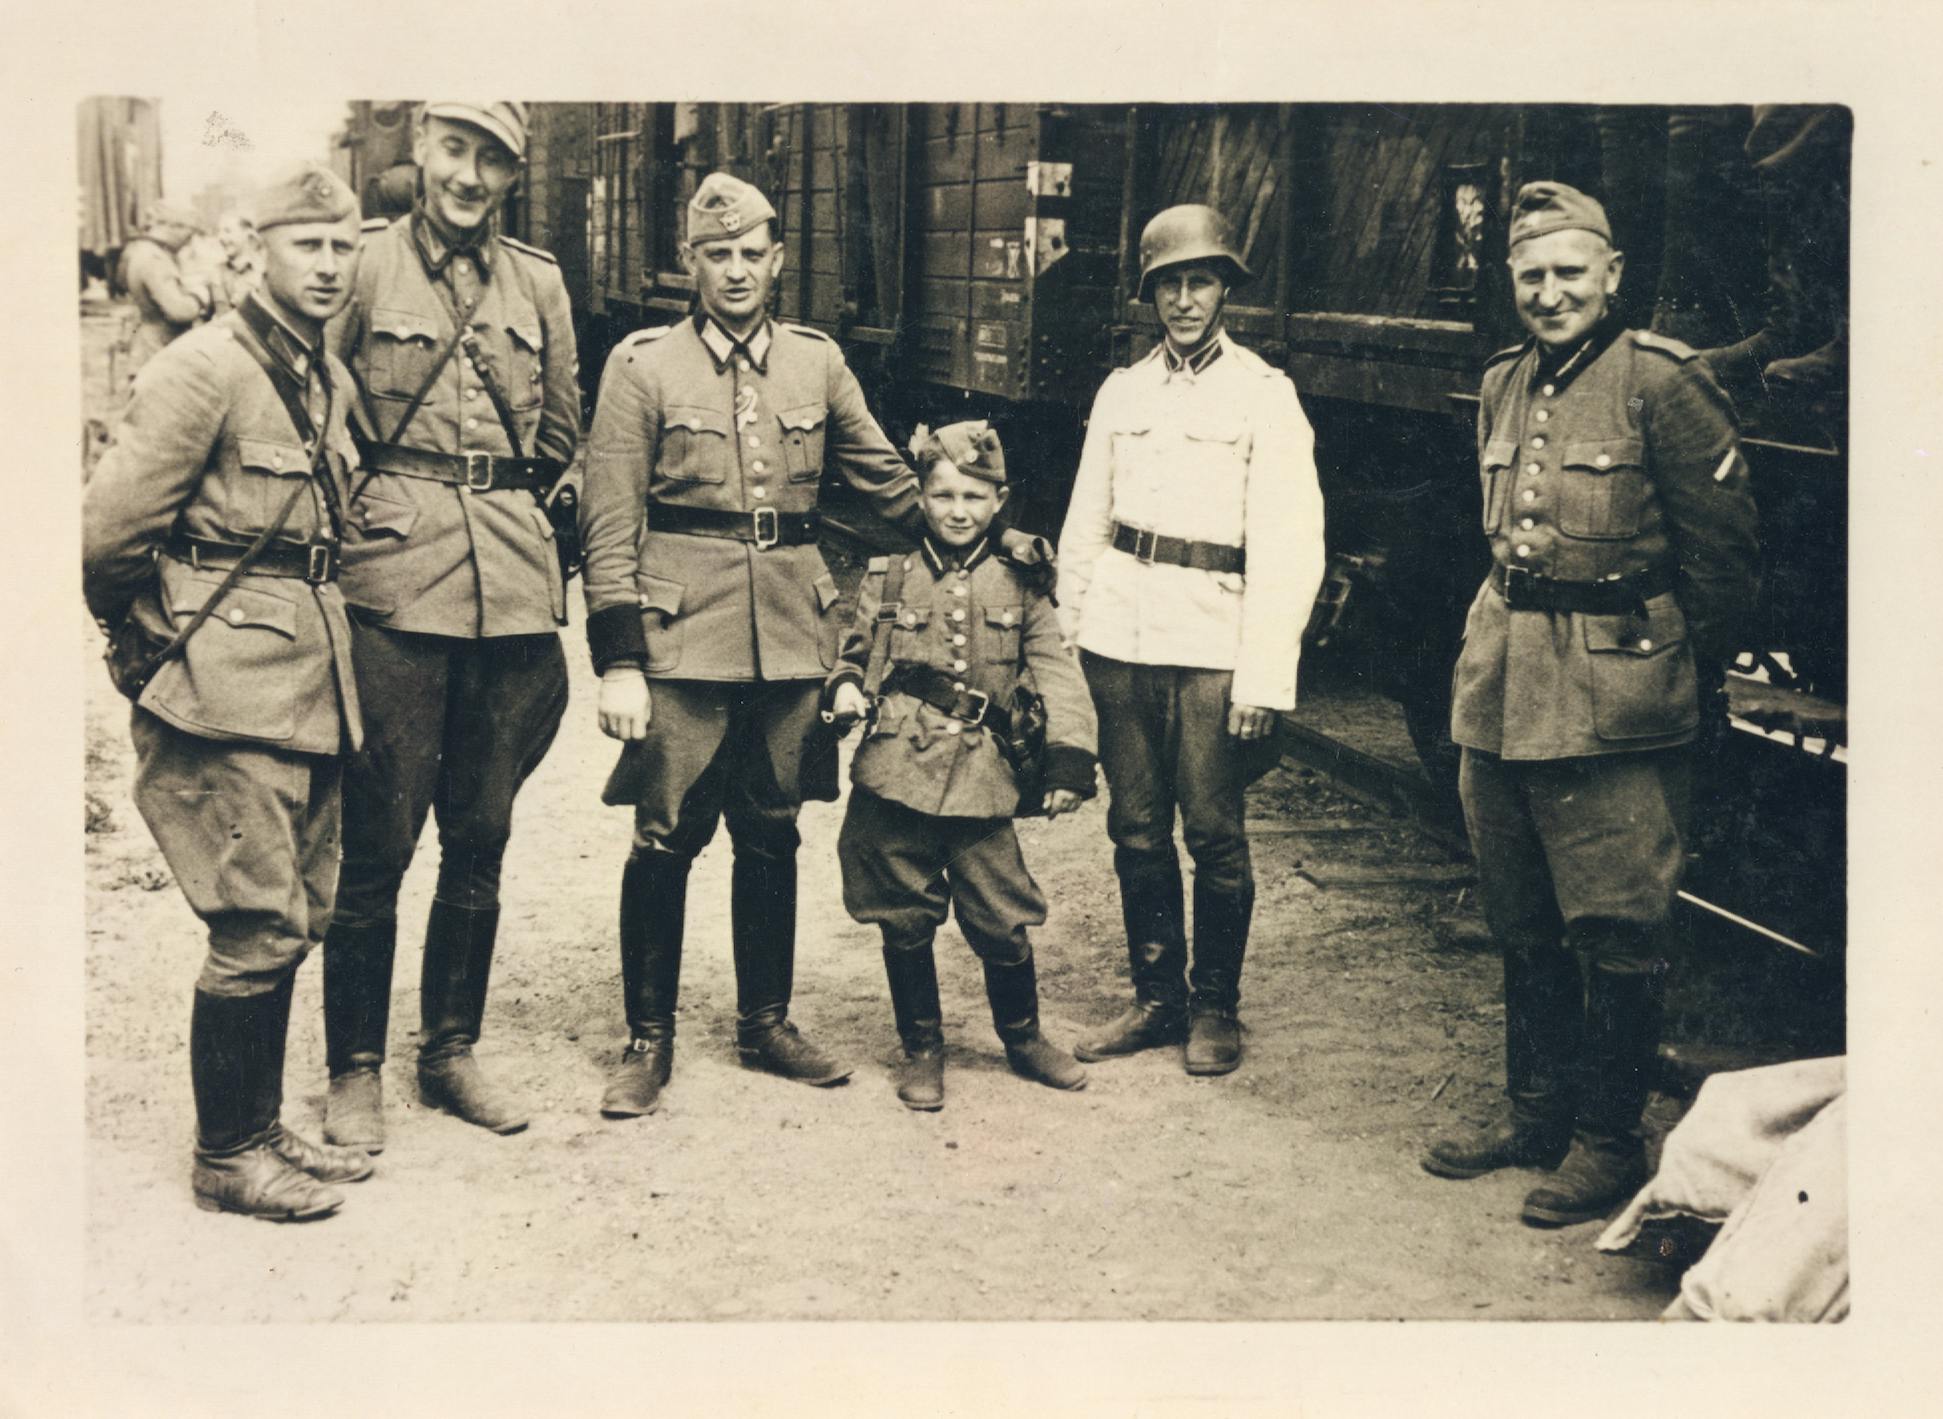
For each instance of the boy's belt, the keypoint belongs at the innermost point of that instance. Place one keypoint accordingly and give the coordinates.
(481, 472)
(942, 692)
(1147, 546)
(765, 527)
(314, 562)
(1527, 590)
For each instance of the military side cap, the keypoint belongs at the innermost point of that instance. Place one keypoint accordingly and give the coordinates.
(173, 213)
(505, 119)
(302, 191)
(1546, 207)
(725, 206)
(972, 447)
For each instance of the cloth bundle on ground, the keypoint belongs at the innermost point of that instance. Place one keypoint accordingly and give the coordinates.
(1765, 1153)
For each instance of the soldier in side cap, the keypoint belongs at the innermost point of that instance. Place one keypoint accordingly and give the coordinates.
(944, 639)
(1191, 555)
(210, 536)
(1625, 558)
(703, 579)
(152, 275)
(462, 341)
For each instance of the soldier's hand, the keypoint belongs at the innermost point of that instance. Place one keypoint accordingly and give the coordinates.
(625, 706)
(1061, 800)
(1250, 722)
(848, 707)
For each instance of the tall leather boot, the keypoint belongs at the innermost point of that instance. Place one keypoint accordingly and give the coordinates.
(1544, 1018)
(1012, 987)
(654, 908)
(452, 1005)
(1607, 1161)
(357, 1014)
(245, 1160)
(1155, 913)
(1220, 941)
(762, 929)
(912, 970)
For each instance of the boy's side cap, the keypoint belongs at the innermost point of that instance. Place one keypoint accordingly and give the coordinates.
(972, 446)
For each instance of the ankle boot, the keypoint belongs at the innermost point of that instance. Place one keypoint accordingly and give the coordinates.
(357, 1013)
(1544, 1016)
(1607, 1161)
(912, 970)
(1155, 915)
(1012, 987)
(1220, 940)
(236, 1050)
(654, 905)
(452, 1006)
(762, 930)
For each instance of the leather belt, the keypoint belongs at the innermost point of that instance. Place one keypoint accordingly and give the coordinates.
(1148, 546)
(481, 472)
(765, 527)
(314, 562)
(941, 691)
(1527, 590)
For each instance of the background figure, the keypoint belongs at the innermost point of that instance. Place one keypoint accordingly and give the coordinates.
(149, 272)
(241, 269)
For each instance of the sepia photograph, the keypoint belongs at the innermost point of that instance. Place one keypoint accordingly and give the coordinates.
(1013, 711)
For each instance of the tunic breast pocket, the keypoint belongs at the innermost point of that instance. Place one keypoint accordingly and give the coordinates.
(399, 352)
(1133, 446)
(803, 441)
(908, 634)
(1602, 496)
(1494, 476)
(262, 483)
(1002, 628)
(694, 445)
(1217, 446)
(523, 381)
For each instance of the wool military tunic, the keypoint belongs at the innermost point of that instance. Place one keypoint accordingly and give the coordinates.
(688, 418)
(980, 623)
(207, 449)
(435, 557)
(1621, 461)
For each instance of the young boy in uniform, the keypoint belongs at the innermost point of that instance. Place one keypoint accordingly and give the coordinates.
(942, 639)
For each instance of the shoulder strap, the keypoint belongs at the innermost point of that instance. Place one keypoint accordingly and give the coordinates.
(880, 636)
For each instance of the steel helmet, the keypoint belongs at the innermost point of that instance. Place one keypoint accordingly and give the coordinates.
(1188, 234)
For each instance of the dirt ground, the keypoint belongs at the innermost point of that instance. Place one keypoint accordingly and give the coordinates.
(1288, 1190)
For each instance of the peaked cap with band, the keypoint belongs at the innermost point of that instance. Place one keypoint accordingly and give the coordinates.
(971, 446)
(1546, 207)
(725, 206)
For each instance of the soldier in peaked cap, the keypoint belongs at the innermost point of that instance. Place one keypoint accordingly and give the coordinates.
(944, 638)
(462, 341)
(1625, 555)
(703, 580)
(1190, 558)
(210, 545)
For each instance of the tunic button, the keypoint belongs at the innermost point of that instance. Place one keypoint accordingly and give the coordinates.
(1527, 524)
(1645, 644)
(954, 727)
(1006, 618)
(1531, 495)
(1538, 441)
(236, 616)
(759, 491)
(957, 591)
(741, 363)
(1524, 549)
(1542, 415)
(957, 665)
(1549, 390)
(472, 423)
(460, 267)
(958, 640)
(909, 619)
(907, 564)
(472, 394)
(958, 687)
(1604, 460)
(962, 573)
(958, 615)
(754, 442)
(1533, 469)
(759, 466)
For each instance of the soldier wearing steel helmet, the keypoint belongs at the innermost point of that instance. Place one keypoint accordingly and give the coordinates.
(1191, 555)
(704, 582)
(1625, 555)
(462, 341)
(210, 540)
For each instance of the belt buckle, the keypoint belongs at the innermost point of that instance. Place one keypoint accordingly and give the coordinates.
(1520, 588)
(984, 703)
(478, 471)
(317, 567)
(1152, 540)
(774, 534)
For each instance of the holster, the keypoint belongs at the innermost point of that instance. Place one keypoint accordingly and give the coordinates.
(134, 652)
